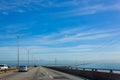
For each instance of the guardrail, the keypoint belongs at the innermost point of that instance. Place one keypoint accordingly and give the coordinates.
(97, 69)
(90, 73)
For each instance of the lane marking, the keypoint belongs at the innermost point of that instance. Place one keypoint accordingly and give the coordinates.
(50, 77)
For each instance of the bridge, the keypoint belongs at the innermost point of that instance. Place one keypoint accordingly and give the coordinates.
(39, 73)
(60, 73)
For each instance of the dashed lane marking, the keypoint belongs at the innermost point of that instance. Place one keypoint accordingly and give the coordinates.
(50, 77)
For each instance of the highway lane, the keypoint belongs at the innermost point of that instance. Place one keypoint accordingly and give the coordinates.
(39, 73)
(19, 75)
(56, 75)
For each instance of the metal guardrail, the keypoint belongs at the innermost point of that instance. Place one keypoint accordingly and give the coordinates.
(96, 69)
(90, 69)
(90, 73)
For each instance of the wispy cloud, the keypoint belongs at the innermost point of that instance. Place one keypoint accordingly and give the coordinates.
(11, 30)
(33, 4)
(35, 43)
(90, 9)
(84, 50)
(38, 52)
(75, 7)
(46, 50)
(77, 35)
(18, 6)
(15, 28)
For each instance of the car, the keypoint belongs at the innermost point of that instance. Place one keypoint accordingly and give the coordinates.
(3, 67)
(23, 68)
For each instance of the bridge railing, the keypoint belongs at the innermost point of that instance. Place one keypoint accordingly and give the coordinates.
(90, 73)
(96, 69)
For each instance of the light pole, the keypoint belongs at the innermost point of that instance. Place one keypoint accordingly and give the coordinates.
(32, 60)
(18, 51)
(28, 57)
(55, 61)
(17, 35)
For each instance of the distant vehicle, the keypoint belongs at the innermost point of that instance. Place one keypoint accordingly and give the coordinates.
(3, 67)
(23, 69)
(35, 65)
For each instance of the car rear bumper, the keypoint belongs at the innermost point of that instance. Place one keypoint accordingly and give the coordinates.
(23, 70)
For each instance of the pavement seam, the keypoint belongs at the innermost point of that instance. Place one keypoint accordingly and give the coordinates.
(36, 74)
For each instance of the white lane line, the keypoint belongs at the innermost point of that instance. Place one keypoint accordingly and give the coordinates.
(50, 77)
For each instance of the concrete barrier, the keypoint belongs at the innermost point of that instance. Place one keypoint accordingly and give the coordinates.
(93, 75)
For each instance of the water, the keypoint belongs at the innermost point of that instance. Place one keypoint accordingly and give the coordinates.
(66, 63)
(102, 65)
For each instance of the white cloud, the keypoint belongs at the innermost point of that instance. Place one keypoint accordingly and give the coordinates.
(71, 36)
(81, 52)
(45, 50)
(64, 37)
(5, 13)
(12, 30)
(76, 7)
(33, 4)
(15, 27)
(36, 42)
(89, 9)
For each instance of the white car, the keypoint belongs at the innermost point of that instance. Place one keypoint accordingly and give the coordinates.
(3, 67)
(23, 69)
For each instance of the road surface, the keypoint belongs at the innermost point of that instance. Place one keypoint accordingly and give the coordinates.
(39, 73)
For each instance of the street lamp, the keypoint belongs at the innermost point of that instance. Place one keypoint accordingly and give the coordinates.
(18, 58)
(28, 57)
(18, 51)
(55, 61)
(33, 59)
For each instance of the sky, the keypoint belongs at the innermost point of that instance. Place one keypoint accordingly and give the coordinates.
(82, 30)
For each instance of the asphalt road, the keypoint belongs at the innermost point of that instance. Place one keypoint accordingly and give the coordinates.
(39, 73)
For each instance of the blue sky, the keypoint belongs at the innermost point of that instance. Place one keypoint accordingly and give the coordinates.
(83, 30)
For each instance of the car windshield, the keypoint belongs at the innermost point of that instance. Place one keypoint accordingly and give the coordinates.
(1, 65)
(22, 66)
